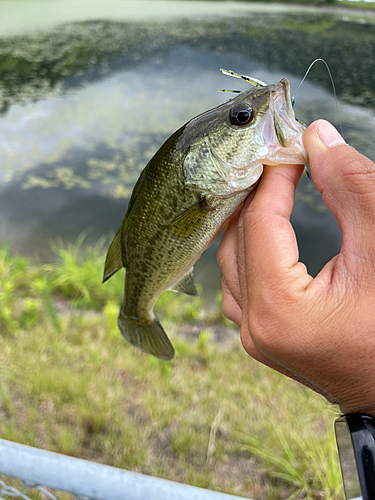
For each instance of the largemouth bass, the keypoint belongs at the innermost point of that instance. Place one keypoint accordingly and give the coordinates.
(186, 194)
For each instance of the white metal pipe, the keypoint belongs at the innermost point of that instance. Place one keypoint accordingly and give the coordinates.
(92, 480)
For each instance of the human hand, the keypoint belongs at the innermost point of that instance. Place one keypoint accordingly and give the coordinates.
(318, 331)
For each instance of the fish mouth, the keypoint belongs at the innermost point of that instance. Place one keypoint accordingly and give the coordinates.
(281, 130)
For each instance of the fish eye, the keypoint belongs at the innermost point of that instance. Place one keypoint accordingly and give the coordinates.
(241, 115)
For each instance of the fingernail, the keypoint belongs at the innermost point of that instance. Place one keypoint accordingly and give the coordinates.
(329, 135)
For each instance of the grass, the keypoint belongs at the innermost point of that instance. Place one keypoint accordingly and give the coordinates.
(357, 5)
(211, 417)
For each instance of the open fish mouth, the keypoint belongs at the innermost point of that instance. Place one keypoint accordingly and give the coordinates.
(281, 131)
(278, 138)
(229, 155)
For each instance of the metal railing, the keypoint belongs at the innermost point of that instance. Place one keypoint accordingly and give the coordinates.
(43, 470)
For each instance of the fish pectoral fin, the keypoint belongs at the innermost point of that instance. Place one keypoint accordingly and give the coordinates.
(188, 221)
(149, 337)
(114, 260)
(186, 284)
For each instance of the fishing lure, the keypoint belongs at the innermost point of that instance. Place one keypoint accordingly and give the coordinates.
(258, 83)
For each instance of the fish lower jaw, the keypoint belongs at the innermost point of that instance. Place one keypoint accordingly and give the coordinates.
(282, 160)
(246, 177)
(290, 155)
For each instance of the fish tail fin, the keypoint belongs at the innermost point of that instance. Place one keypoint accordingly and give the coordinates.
(149, 337)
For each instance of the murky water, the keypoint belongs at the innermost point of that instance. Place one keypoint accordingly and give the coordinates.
(87, 95)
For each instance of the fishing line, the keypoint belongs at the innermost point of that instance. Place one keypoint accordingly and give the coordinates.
(333, 88)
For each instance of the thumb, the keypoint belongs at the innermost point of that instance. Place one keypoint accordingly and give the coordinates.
(346, 180)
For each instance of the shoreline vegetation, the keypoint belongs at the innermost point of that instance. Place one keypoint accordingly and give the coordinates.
(354, 4)
(212, 417)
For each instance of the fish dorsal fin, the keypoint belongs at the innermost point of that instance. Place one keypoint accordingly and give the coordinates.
(189, 220)
(114, 260)
(186, 284)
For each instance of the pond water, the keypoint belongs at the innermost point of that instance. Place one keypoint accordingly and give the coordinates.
(89, 93)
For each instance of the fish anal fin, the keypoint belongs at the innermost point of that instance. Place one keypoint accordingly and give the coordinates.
(149, 337)
(186, 284)
(114, 260)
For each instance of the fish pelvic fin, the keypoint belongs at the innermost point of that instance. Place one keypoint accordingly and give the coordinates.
(114, 260)
(149, 337)
(186, 284)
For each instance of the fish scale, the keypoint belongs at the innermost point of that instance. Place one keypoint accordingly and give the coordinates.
(186, 194)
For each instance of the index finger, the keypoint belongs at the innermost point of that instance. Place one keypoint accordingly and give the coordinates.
(271, 251)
